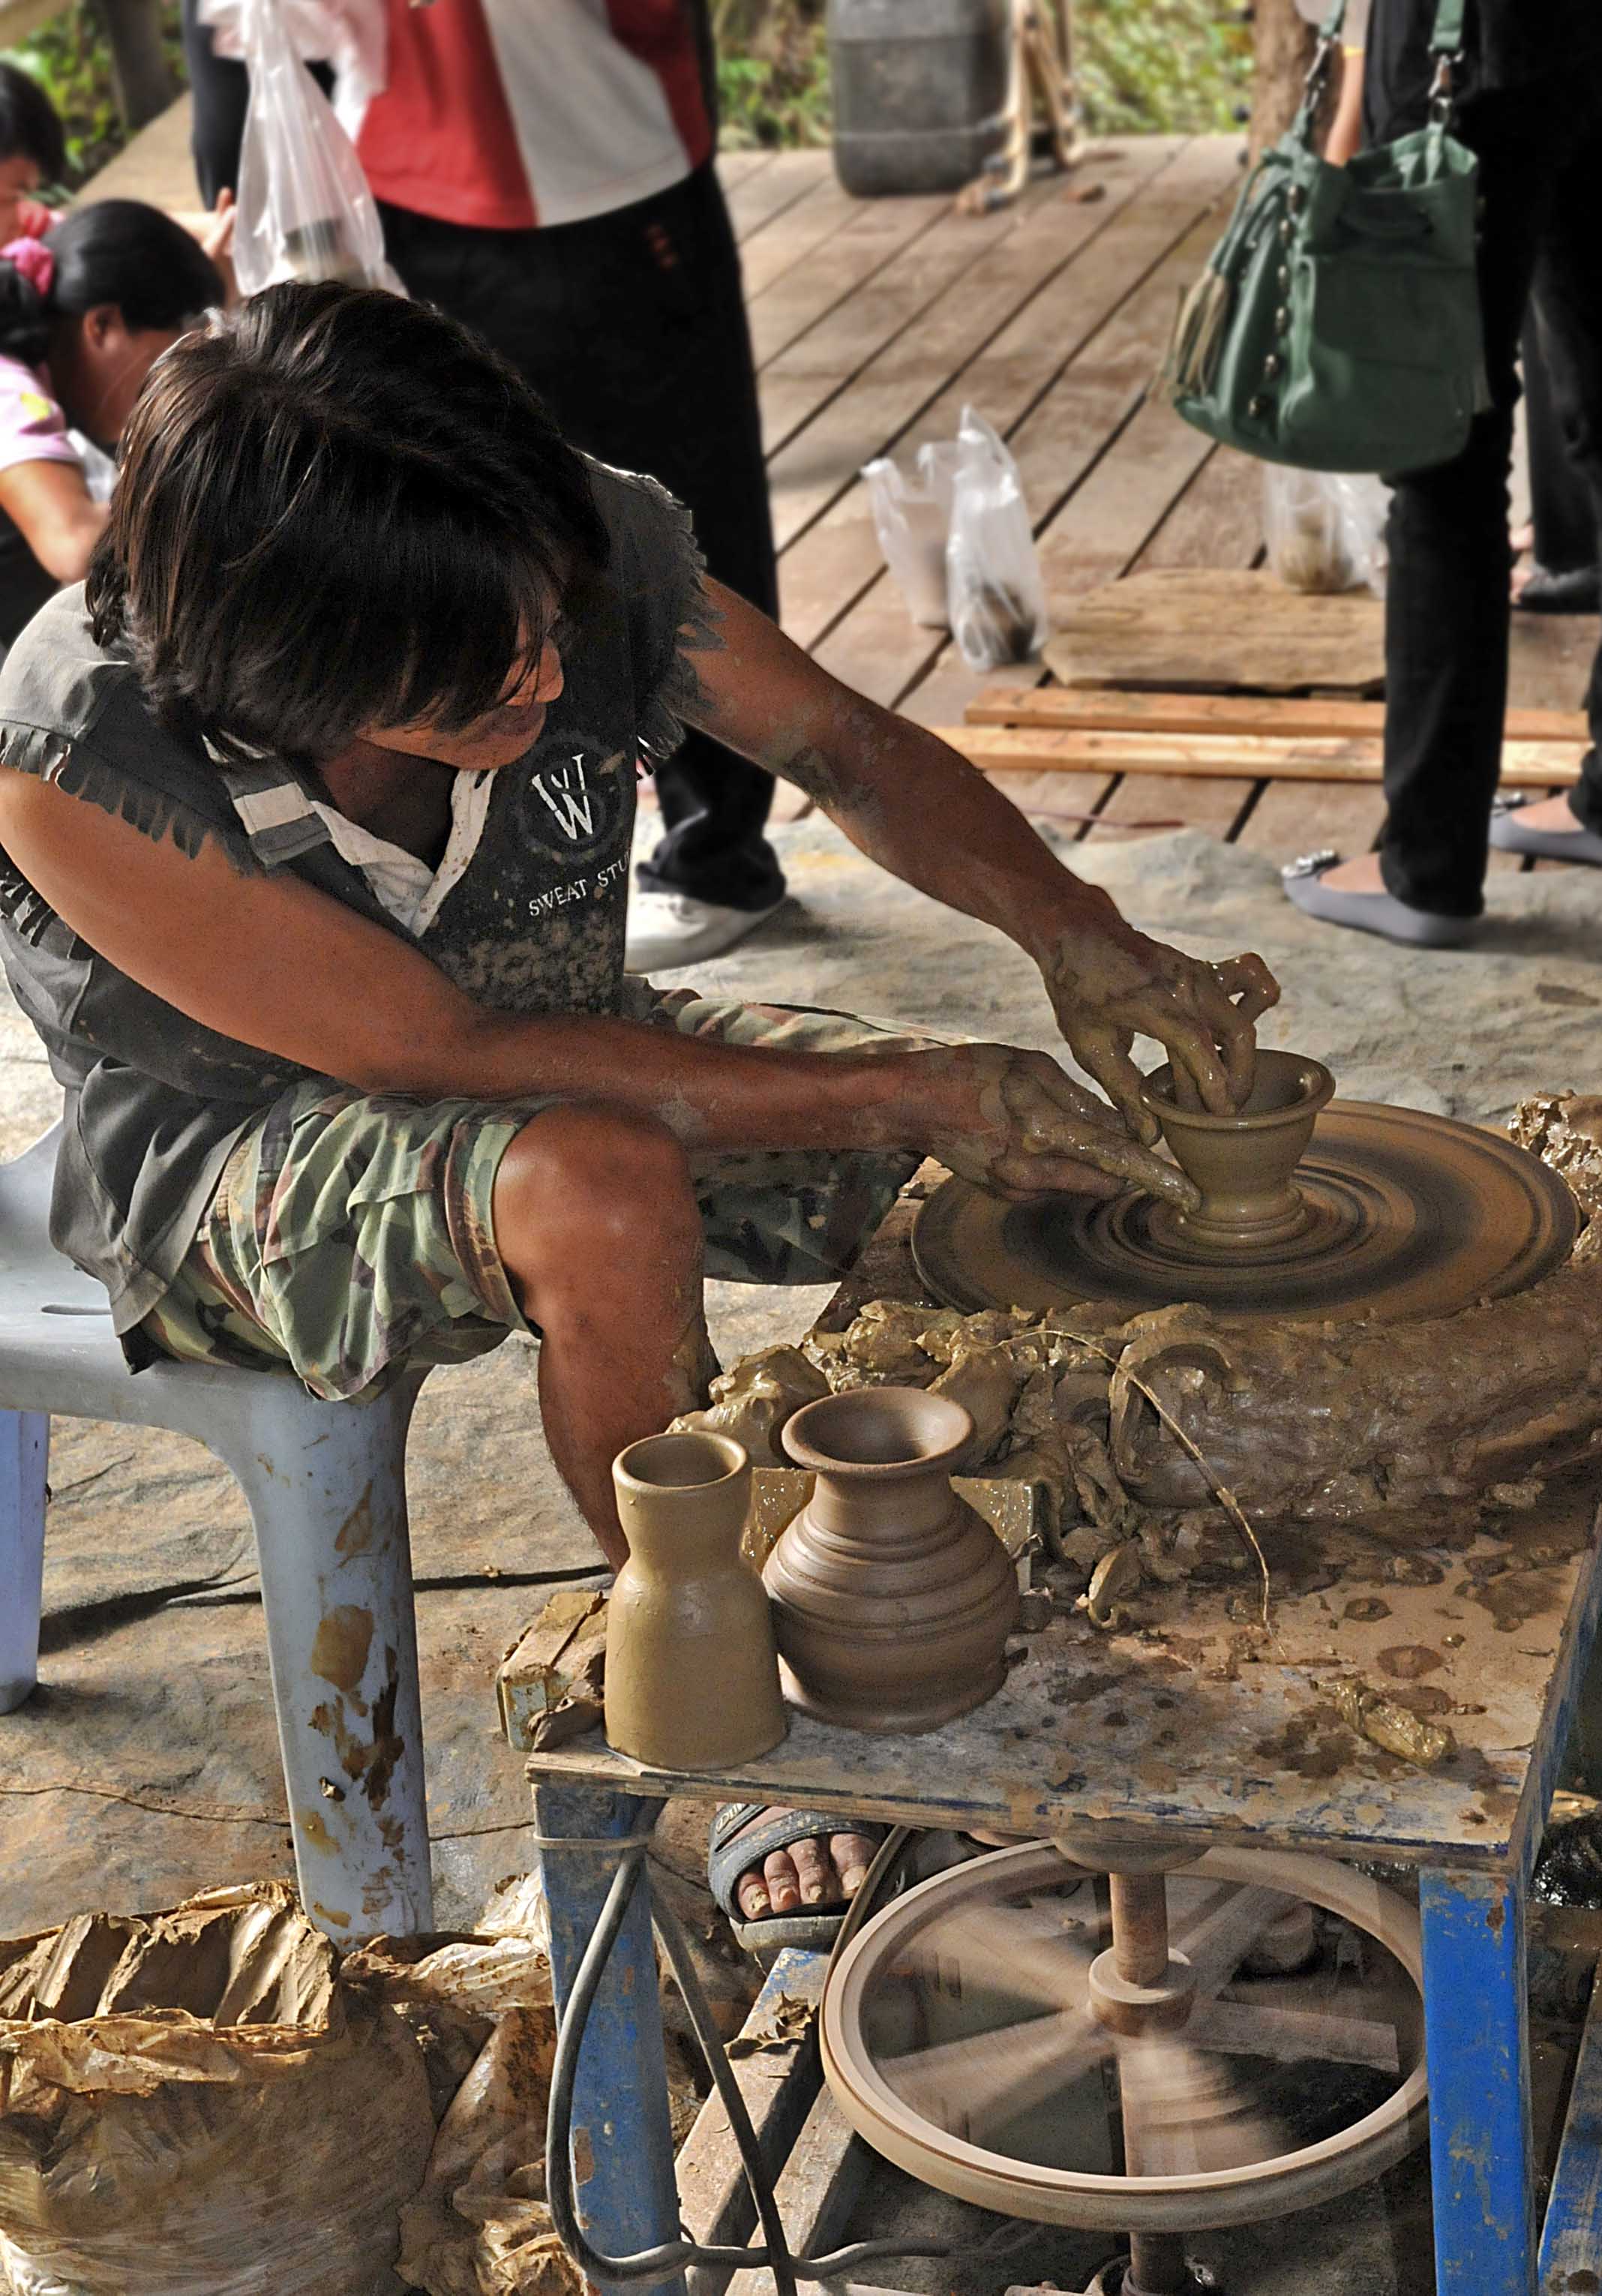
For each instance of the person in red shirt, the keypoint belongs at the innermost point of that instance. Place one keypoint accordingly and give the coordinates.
(545, 174)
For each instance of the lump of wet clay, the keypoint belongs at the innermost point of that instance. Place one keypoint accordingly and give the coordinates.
(884, 1339)
(1391, 1727)
(985, 1382)
(1565, 1130)
(948, 1335)
(753, 1401)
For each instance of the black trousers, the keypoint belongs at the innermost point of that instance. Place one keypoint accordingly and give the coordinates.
(631, 327)
(1447, 606)
(1560, 501)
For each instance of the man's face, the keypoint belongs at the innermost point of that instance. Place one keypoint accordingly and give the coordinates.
(499, 737)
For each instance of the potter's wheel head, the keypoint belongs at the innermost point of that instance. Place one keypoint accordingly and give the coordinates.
(1408, 1216)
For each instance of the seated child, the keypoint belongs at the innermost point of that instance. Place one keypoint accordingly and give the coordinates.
(83, 316)
(33, 153)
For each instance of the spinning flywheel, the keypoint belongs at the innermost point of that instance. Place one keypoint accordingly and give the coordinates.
(1040, 2041)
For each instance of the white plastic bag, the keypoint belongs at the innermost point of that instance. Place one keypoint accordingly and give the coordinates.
(912, 518)
(1325, 532)
(305, 209)
(995, 596)
(351, 37)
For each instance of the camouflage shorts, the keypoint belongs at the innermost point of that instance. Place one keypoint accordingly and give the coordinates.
(351, 1233)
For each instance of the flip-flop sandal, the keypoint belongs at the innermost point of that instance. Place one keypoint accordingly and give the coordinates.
(736, 1845)
(1372, 913)
(1573, 590)
(1508, 834)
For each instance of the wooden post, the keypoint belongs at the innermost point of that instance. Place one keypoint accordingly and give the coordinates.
(1282, 46)
(141, 78)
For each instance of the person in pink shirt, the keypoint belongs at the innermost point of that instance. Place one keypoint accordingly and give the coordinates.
(83, 316)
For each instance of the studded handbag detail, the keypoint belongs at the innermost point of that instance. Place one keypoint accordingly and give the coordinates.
(1336, 326)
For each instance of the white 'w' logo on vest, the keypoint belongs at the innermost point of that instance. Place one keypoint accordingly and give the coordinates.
(568, 799)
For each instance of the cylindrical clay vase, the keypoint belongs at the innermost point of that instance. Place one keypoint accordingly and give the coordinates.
(893, 1600)
(691, 1670)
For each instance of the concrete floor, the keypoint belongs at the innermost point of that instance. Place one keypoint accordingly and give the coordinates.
(145, 1766)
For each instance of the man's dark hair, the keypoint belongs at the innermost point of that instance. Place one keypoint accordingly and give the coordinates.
(338, 509)
(117, 251)
(31, 125)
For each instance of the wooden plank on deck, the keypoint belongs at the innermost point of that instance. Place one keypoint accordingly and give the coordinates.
(780, 2084)
(1120, 709)
(818, 2190)
(1263, 757)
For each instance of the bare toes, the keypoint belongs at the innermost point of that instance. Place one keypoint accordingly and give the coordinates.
(784, 1887)
(853, 1854)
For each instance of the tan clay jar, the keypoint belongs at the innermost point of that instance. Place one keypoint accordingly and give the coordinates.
(892, 1598)
(691, 1670)
(1243, 1163)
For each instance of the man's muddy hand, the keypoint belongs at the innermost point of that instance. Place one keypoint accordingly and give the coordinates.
(1013, 1122)
(1109, 984)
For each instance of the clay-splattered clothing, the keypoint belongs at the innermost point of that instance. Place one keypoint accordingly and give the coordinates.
(526, 914)
(350, 1235)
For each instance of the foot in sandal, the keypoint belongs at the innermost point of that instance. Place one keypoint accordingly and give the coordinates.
(784, 1876)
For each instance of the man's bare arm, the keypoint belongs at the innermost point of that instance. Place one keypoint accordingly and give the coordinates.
(924, 813)
(271, 962)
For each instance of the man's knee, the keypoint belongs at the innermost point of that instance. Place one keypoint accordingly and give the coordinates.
(589, 1189)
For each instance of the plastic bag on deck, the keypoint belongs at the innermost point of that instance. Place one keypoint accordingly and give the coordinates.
(912, 518)
(1325, 532)
(304, 208)
(194, 2104)
(995, 596)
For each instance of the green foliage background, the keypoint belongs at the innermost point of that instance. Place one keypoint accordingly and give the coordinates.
(1152, 65)
(1143, 66)
(70, 56)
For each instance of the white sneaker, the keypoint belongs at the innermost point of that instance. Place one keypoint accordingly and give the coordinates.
(665, 929)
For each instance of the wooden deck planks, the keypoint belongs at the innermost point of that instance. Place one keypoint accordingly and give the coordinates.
(830, 273)
(874, 322)
(1107, 349)
(766, 193)
(939, 351)
(939, 268)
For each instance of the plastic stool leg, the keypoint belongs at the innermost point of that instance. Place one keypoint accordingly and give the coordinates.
(24, 1452)
(326, 1484)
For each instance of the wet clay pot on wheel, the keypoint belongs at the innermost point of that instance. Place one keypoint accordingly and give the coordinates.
(692, 1669)
(892, 1599)
(1243, 1163)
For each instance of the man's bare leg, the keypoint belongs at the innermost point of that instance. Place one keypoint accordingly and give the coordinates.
(597, 1227)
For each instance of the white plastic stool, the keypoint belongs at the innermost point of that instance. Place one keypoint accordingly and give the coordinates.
(326, 1485)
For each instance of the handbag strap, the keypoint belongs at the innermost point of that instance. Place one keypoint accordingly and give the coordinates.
(1446, 45)
(1447, 38)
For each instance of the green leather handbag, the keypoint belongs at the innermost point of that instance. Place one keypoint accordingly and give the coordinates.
(1337, 325)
